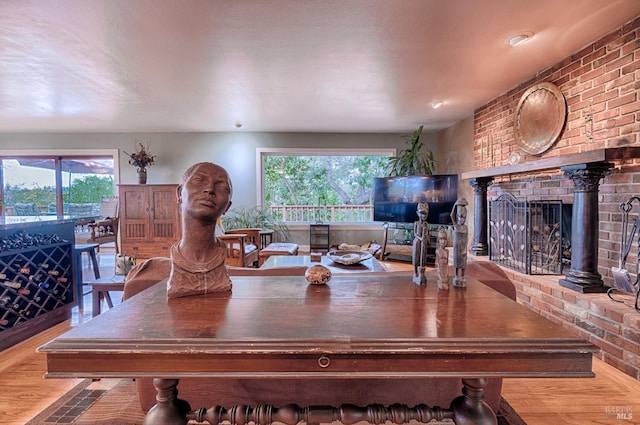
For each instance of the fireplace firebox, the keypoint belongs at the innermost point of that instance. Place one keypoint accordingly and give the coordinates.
(532, 237)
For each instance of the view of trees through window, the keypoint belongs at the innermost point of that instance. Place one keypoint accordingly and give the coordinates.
(29, 185)
(321, 187)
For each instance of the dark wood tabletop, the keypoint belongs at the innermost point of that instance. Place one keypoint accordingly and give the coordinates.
(360, 322)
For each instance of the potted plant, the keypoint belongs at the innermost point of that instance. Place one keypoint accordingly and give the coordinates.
(412, 161)
(255, 217)
(141, 159)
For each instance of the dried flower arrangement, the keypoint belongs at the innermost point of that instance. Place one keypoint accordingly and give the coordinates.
(141, 158)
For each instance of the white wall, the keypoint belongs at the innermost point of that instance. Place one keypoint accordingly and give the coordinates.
(235, 151)
(177, 151)
(456, 156)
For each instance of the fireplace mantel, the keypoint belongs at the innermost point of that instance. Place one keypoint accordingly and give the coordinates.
(599, 155)
(586, 169)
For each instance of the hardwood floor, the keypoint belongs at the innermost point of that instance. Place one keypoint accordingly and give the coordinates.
(577, 401)
(539, 401)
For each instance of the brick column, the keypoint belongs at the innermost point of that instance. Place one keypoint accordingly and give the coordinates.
(583, 276)
(480, 217)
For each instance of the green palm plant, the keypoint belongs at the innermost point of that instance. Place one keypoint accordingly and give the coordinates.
(255, 217)
(412, 161)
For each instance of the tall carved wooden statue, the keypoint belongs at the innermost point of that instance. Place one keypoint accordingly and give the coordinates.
(420, 244)
(460, 241)
(442, 259)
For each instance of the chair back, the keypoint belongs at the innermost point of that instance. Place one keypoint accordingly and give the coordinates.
(243, 246)
(109, 207)
(252, 235)
(80, 210)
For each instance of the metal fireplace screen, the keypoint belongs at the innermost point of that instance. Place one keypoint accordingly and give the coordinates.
(526, 236)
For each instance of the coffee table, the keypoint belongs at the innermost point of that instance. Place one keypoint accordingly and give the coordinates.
(366, 266)
(358, 327)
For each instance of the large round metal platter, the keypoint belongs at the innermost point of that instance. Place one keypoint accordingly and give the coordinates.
(348, 257)
(540, 117)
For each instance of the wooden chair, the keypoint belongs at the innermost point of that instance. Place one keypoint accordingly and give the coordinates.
(26, 209)
(105, 229)
(243, 246)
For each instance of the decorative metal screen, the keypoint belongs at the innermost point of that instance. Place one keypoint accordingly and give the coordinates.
(526, 236)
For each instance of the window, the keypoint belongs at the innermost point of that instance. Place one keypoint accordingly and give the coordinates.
(55, 185)
(320, 185)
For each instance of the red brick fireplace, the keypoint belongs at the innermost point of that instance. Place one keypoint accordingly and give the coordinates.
(595, 163)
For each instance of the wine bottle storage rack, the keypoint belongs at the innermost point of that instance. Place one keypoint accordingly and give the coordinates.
(34, 282)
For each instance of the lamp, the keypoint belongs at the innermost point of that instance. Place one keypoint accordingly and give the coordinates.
(518, 39)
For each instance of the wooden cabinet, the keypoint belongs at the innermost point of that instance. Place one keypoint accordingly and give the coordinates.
(149, 219)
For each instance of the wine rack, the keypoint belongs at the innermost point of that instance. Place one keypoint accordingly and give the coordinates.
(35, 282)
(36, 289)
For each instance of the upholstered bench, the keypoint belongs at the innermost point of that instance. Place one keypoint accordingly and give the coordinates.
(278, 248)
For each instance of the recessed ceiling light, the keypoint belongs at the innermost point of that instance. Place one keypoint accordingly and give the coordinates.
(436, 105)
(518, 39)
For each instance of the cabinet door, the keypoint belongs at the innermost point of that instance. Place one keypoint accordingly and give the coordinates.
(134, 213)
(163, 212)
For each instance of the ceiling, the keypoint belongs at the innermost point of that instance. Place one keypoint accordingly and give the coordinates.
(276, 65)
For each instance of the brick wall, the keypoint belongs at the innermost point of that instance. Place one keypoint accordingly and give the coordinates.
(601, 85)
(612, 326)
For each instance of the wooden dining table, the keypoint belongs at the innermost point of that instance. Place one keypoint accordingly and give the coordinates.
(357, 327)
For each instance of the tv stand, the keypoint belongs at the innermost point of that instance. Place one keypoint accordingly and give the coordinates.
(397, 243)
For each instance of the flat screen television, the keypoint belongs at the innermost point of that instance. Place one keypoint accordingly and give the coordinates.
(395, 199)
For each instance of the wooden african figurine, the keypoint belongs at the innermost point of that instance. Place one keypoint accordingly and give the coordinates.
(420, 244)
(442, 259)
(460, 241)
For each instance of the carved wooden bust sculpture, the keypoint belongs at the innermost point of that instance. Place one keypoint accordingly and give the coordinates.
(198, 258)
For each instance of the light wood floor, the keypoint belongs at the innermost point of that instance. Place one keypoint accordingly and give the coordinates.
(24, 392)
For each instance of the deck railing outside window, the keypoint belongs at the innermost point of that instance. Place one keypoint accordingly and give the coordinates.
(324, 213)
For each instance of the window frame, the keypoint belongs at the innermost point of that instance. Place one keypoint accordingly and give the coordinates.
(262, 152)
(59, 155)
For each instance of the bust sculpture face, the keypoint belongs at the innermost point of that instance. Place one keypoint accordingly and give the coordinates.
(461, 214)
(423, 211)
(442, 238)
(205, 192)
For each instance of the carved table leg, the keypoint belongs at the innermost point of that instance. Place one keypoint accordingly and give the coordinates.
(292, 414)
(470, 408)
(169, 410)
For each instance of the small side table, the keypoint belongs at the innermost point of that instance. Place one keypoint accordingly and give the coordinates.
(100, 291)
(319, 237)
